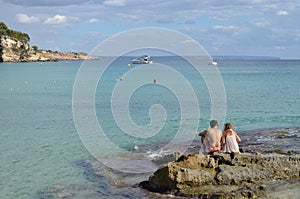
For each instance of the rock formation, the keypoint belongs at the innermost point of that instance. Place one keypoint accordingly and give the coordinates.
(225, 175)
(14, 47)
(14, 50)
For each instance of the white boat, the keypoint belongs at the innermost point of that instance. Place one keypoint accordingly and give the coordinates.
(142, 60)
(214, 63)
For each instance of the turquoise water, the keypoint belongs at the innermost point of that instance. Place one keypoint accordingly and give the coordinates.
(262, 94)
(39, 144)
(38, 140)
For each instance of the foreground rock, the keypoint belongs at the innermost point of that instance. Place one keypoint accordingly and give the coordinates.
(226, 175)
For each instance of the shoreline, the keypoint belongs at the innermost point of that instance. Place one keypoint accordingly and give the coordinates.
(49, 56)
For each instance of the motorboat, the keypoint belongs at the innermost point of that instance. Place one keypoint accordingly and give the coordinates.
(142, 60)
(214, 63)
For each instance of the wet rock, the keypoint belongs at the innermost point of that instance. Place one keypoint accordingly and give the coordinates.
(236, 175)
(284, 135)
(59, 191)
(167, 158)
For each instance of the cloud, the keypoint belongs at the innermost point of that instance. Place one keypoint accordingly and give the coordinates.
(189, 41)
(73, 18)
(23, 18)
(164, 20)
(225, 28)
(262, 24)
(57, 19)
(131, 17)
(297, 37)
(114, 2)
(46, 2)
(190, 21)
(93, 20)
(219, 18)
(279, 47)
(282, 12)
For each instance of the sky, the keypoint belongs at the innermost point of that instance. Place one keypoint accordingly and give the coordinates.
(222, 27)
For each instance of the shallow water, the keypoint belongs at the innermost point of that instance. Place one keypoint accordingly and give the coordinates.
(40, 147)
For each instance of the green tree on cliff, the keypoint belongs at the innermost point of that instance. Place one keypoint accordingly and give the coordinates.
(4, 30)
(3, 26)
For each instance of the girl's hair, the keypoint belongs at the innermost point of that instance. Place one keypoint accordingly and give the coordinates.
(228, 126)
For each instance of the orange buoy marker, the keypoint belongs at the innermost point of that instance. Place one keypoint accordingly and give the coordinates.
(154, 81)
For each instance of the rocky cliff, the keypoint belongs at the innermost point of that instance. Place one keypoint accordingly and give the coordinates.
(14, 47)
(14, 50)
(227, 175)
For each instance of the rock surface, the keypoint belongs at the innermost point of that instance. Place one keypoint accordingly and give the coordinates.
(224, 175)
(14, 50)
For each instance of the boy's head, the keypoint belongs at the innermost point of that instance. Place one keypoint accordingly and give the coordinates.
(213, 123)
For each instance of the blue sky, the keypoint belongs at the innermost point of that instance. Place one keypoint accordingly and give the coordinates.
(222, 27)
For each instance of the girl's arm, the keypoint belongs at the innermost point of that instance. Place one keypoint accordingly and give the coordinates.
(238, 139)
(224, 138)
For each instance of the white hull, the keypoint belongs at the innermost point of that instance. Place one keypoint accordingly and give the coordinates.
(142, 60)
(213, 63)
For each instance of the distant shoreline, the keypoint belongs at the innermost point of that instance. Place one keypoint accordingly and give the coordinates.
(15, 47)
(50, 56)
(237, 57)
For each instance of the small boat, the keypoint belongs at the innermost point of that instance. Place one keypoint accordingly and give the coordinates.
(142, 60)
(214, 63)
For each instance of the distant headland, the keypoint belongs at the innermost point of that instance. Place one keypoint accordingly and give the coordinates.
(14, 47)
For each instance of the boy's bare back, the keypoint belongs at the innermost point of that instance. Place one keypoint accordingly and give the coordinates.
(214, 135)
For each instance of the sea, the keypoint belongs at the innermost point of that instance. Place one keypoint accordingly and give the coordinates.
(50, 143)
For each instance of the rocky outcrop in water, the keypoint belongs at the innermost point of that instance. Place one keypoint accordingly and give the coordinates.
(226, 175)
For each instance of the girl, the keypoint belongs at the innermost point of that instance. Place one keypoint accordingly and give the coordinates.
(230, 139)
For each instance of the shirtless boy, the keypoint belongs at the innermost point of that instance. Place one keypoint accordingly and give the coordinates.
(211, 137)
